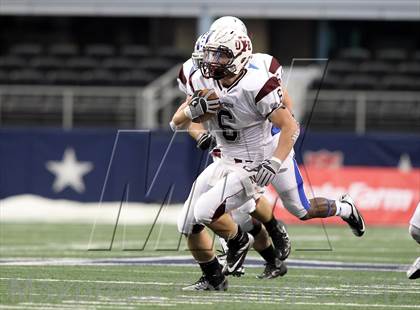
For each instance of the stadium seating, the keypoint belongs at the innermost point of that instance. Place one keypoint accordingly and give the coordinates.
(359, 70)
(92, 64)
(373, 69)
(63, 50)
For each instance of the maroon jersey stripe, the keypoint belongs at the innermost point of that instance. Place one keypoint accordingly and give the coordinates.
(181, 76)
(268, 87)
(274, 66)
(190, 81)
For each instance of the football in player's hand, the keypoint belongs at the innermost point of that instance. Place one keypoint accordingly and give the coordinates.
(212, 97)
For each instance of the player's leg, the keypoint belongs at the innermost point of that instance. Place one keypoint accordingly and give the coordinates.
(199, 241)
(414, 232)
(275, 228)
(211, 210)
(414, 229)
(274, 267)
(289, 186)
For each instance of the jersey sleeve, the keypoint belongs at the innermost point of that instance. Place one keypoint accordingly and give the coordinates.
(269, 97)
(275, 68)
(195, 82)
(182, 81)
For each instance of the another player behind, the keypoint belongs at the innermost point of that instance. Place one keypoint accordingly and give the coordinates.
(414, 229)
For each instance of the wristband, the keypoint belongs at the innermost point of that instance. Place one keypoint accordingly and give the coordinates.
(276, 160)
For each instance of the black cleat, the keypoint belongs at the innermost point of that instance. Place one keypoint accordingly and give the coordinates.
(281, 241)
(355, 220)
(236, 253)
(272, 271)
(414, 271)
(204, 285)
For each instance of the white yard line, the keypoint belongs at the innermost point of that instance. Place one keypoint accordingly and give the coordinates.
(187, 261)
(366, 306)
(306, 290)
(90, 281)
(260, 297)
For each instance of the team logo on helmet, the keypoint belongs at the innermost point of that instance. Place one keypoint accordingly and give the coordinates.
(225, 54)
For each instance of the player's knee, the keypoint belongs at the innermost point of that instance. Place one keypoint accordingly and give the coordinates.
(202, 212)
(414, 232)
(188, 227)
(183, 226)
(185, 220)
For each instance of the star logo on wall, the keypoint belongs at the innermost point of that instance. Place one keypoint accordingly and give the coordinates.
(69, 172)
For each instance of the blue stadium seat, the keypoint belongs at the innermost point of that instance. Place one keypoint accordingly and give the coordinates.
(392, 55)
(98, 77)
(45, 63)
(100, 50)
(341, 67)
(4, 77)
(12, 62)
(63, 77)
(81, 63)
(360, 82)
(118, 63)
(26, 49)
(135, 78)
(26, 76)
(416, 56)
(377, 68)
(398, 82)
(63, 50)
(135, 51)
(330, 81)
(155, 65)
(409, 68)
(355, 54)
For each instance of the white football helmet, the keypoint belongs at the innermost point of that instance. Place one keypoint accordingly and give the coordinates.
(226, 53)
(229, 22)
(197, 55)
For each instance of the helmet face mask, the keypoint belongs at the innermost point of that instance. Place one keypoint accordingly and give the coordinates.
(197, 55)
(197, 58)
(217, 62)
(225, 54)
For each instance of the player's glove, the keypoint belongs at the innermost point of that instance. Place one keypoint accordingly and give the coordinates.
(200, 105)
(267, 170)
(206, 141)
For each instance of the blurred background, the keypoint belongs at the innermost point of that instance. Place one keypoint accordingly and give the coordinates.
(78, 78)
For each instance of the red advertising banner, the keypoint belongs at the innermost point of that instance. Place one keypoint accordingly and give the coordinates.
(385, 196)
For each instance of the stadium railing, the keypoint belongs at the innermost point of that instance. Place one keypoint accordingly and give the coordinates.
(363, 110)
(69, 106)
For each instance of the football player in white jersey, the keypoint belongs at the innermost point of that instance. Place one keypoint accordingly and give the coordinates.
(288, 185)
(250, 159)
(414, 229)
(273, 266)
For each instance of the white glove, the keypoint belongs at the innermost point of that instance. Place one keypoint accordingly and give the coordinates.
(200, 105)
(267, 170)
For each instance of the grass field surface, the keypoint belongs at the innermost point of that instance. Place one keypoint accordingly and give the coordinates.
(50, 266)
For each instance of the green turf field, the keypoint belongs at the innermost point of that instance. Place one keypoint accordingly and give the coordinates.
(142, 287)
